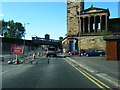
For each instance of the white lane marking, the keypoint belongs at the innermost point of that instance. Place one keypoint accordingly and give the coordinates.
(26, 66)
(4, 71)
(20, 65)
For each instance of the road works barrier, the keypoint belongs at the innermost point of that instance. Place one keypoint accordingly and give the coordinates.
(23, 57)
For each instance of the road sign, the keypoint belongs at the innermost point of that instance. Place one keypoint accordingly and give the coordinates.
(17, 49)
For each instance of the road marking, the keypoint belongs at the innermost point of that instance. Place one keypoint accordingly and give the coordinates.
(82, 66)
(97, 80)
(91, 71)
(26, 66)
(4, 71)
(20, 65)
(90, 77)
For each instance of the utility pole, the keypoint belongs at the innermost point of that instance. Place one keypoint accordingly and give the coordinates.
(24, 36)
(79, 30)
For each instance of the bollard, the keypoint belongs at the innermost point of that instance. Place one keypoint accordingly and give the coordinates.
(48, 61)
(31, 61)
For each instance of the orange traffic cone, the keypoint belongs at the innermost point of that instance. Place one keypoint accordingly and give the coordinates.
(33, 55)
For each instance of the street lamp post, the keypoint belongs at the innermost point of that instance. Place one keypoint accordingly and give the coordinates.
(24, 36)
(79, 30)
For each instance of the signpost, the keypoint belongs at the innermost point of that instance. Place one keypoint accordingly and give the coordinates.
(17, 49)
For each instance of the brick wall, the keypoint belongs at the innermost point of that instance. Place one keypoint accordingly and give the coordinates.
(111, 50)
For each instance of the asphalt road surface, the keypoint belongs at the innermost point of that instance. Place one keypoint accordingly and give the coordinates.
(57, 74)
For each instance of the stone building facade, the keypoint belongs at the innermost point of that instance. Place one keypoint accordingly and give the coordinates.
(94, 17)
(84, 27)
(73, 10)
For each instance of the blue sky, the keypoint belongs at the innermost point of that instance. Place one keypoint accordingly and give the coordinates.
(46, 17)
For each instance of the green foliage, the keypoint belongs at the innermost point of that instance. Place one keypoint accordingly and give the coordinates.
(104, 33)
(12, 29)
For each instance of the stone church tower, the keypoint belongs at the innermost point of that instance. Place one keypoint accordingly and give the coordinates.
(73, 11)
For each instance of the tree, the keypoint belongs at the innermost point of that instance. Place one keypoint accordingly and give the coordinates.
(12, 29)
(4, 26)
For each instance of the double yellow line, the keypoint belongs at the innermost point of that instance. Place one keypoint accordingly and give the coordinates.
(91, 78)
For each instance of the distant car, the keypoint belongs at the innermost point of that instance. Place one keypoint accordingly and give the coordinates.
(45, 49)
(51, 51)
(76, 52)
(94, 53)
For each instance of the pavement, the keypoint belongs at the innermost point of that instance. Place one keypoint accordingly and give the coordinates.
(99, 66)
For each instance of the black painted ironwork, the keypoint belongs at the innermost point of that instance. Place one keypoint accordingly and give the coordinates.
(43, 41)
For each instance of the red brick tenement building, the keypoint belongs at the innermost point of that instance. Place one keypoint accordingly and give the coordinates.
(112, 48)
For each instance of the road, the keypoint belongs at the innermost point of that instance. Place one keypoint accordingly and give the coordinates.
(59, 73)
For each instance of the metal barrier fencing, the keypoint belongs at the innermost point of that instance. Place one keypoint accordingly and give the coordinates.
(23, 56)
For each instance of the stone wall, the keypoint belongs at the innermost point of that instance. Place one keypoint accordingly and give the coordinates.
(86, 42)
(92, 42)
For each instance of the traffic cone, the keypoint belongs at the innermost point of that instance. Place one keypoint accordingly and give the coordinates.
(38, 54)
(33, 55)
(17, 61)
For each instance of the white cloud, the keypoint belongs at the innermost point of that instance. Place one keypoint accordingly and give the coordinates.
(1, 15)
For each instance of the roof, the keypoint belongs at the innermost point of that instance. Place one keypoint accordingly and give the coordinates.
(112, 38)
(94, 10)
(114, 20)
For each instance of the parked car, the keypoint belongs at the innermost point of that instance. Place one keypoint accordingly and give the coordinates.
(51, 51)
(94, 53)
(76, 52)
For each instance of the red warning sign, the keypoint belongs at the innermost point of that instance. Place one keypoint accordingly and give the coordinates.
(17, 49)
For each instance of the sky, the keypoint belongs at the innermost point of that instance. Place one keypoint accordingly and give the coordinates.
(46, 17)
